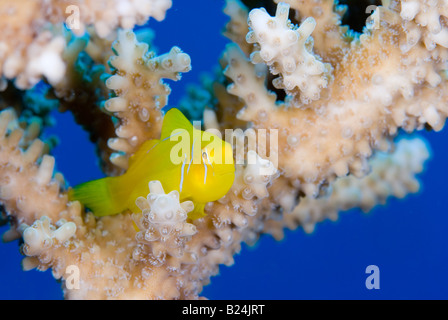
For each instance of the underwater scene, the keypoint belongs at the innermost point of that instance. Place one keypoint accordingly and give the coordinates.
(360, 146)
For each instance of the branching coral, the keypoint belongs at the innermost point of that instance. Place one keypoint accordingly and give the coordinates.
(285, 51)
(141, 94)
(32, 48)
(333, 100)
(367, 107)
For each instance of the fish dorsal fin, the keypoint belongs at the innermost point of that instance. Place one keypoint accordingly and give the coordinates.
(174, 119)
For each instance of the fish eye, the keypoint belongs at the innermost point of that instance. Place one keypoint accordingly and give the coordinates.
(206, 156)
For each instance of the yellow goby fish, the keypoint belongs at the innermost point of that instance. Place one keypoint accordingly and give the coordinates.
(196, 163)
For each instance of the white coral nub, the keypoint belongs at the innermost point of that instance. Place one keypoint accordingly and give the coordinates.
(257, 175)
(42, 235)
(428, 15)
(163, 217)
(163, 227)
(287, 50)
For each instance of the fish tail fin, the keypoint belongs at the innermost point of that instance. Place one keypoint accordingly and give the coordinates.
(101, 196)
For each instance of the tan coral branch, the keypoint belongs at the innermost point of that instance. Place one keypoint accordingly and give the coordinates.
(140, 92)
(31, 48)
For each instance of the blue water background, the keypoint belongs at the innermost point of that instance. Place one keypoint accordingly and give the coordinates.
(406, 238)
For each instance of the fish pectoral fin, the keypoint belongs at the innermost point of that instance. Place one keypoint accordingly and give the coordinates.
(136, 228)
(198, 211)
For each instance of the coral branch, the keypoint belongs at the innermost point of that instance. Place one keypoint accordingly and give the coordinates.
(333, 137)
(392, 176)
(31, 48)
(286, 51)
(140, 93)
